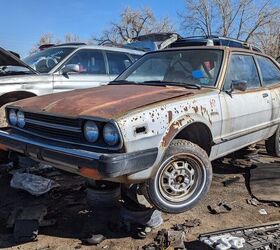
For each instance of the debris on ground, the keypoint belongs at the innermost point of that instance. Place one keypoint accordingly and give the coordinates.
(230, 181)
(168, 239)
(36, 212)
(220, 208)
(224, 242)
(254, 202)
(264, 182)
(33, 184)
(262, 212)
(265, 236)
(95, 239)
(187, 225)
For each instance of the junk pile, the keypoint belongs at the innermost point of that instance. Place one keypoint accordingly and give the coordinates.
(173, 238)
(266, 236)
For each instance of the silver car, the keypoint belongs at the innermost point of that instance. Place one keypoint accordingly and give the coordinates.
(61, 68)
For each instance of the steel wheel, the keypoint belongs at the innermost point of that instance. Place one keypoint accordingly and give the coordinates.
(182, 179)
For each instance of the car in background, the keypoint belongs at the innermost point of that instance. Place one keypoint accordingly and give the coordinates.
(60, 68)
(213, 41)
(153, 41)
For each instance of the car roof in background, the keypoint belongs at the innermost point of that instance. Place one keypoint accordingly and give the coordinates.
(222, 48)
(97, 47)
(215, 40)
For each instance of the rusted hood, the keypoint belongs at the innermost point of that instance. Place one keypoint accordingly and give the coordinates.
(109, 101)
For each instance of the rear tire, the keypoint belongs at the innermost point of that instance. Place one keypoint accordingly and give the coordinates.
(182, 179)
(272, 144)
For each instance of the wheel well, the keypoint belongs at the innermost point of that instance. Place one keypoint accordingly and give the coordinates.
(15, 96)
(197, 133)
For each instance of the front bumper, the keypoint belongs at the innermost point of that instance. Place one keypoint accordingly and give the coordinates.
(72, 159)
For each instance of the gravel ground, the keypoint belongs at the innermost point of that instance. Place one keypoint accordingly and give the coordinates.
(75, 219)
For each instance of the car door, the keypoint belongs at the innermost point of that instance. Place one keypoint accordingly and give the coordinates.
(246, 114)
(117, 63)
(270, 74)
(92, 71)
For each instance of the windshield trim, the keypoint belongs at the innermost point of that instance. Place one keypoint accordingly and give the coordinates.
(219, 75)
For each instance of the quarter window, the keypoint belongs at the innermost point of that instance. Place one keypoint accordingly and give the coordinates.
(270, 73)
(118, 62)
(90, 62)
(242, 68)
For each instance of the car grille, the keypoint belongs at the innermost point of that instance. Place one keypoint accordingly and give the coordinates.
(54, 127)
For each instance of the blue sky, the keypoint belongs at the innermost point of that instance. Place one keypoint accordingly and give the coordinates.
(23, 22)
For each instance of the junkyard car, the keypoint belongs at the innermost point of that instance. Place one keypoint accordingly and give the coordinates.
(159, 124)
(61, 68)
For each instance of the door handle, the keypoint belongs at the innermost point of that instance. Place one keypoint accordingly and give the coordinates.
(265, 95)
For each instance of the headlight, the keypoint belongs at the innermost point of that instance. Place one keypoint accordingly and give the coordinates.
(91, 131)
(20, 119)
(110, 134)
(13, 117)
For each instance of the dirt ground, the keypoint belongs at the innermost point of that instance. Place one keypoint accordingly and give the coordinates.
(75, 220)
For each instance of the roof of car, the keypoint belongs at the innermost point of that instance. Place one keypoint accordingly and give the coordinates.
(210, 47)
(224, 48)
(101, 47)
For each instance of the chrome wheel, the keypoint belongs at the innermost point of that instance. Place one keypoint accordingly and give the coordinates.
(181, 178)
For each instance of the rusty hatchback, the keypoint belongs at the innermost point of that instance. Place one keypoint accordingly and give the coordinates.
(159, 124)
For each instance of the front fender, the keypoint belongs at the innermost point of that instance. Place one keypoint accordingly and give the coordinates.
(180, 123)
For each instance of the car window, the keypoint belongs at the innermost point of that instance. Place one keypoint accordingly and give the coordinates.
(44, 61)
(90, 62)
(117, 62)
(185, 66)
(242, 68)
(270, 73)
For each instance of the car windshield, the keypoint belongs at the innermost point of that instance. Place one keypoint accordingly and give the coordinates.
(196, 67)
(46, 60)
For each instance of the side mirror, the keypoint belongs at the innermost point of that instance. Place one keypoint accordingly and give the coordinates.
(240, 85)
(70, 68)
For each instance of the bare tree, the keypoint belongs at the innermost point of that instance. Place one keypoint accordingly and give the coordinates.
(199, 17)
(269, 39)
(240, 19)
(71, 38)
(46, 38)
(134, 23)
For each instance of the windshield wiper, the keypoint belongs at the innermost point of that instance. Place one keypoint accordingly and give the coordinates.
(171, 83)
(122, 82)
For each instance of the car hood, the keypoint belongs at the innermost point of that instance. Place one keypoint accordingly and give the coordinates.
(110, 102)
(8, 59)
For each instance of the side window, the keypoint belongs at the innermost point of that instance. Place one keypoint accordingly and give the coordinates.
(90, 62)
(242, 68)
(270, 73)
(118, 62)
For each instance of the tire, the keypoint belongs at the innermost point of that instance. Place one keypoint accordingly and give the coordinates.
(182, 179)
(103, 194)
(272, 144)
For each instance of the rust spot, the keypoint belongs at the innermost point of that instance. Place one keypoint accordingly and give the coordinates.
(109, 101)
(195, 109)
(169, 116)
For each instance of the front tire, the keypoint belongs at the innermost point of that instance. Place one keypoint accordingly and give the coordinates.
(182, 179)
(272, 144)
